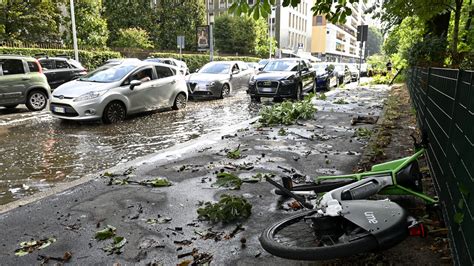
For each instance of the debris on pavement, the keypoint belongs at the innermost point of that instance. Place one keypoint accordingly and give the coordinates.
(234, 154)
(116, 245)
(364, 119)
(228, 209)
(157, 182)
(45, 259)
(28, 247)
(105, 233)
(228, 180)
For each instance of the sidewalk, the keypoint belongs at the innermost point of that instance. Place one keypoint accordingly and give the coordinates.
(325, 145)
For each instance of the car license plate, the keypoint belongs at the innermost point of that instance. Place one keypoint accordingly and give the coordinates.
(266, 89)
(59, 109)
(200, 88)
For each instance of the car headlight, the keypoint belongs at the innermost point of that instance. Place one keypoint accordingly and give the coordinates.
(90, 95)
(287, 81)
(210, 84)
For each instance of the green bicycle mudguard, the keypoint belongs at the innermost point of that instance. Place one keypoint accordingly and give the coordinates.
(389, 166)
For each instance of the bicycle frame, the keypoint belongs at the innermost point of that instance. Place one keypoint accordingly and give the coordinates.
(389, 168)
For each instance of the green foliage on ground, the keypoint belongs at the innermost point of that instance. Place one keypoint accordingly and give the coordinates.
(381, 79)
(287, 112)
(195, 61)
(133, 37)
(89, 59)
(228, 209)
(228, 180)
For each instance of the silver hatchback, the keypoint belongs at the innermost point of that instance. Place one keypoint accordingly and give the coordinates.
(118, 89)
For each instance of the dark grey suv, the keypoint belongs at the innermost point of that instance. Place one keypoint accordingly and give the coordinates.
(22, 82)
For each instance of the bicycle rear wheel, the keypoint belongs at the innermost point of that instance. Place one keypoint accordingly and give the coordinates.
(322, 238)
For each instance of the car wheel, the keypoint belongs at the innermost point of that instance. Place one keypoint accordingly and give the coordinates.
(255, 99)
(179, 102)
(114, 112)
(36, 100)
(225, 91)
(11, 106)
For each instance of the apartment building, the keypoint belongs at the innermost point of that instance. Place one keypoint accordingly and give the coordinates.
(291, 27)
(338, 43)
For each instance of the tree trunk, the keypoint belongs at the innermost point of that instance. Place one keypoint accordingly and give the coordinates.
(467, 26)
(457, 17)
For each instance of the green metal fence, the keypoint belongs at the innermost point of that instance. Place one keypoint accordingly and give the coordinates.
(444, 104)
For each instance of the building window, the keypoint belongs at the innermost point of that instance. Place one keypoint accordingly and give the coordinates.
(318, 21)
(250, 2)
(340, 47)
(340, 36)
(211, 4)
(222, 4)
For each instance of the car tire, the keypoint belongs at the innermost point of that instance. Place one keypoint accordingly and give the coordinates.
(179, 101)
(114, 112)
(36, 100)
(255, 99)
(11, 106)
(225, 91)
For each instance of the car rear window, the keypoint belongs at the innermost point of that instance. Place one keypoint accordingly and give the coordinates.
(12, 66)
(33, 66)
(61, 64)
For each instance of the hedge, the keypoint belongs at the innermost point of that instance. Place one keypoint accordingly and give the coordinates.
(89, 59)
(195, 61)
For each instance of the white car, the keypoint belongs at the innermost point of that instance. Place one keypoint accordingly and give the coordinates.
(117, 89)
(181, 65)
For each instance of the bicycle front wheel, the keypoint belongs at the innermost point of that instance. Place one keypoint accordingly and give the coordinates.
(302, 238)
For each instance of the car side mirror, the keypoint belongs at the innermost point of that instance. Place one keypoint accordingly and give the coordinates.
(260, 68)
(135, 83)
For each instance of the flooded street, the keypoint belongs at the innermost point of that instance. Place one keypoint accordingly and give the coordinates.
(38, 151)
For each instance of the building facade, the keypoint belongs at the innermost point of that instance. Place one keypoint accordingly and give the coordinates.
(338, 43)
(291, 27)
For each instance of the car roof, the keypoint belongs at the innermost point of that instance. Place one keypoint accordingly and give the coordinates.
(11, 56)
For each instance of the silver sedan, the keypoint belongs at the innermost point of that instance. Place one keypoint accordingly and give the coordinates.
(119, 88)
(219, 78)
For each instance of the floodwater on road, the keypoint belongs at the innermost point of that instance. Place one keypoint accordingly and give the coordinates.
(37, 150)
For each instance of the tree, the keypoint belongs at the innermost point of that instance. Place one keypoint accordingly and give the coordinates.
(30, 21)
(133, 38)
(178, 18)
(262, 40)
(235, 34)
(91, 27)
(374, 41)
(122, 14)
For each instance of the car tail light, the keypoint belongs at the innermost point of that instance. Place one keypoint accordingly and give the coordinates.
(40, 68)
(417, 230)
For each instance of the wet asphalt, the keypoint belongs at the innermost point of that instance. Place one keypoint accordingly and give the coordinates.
(39, 151)
(73, 216)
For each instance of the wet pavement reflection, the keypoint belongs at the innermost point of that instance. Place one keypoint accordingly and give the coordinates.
(43, 150)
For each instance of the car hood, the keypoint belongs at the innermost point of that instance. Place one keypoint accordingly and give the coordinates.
(203, 77)
(76, 88)
(277, 75)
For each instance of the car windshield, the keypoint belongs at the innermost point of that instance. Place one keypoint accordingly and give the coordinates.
(215, 68)
(280, 65)
(320, 69)
(263, 62)
(108, 73)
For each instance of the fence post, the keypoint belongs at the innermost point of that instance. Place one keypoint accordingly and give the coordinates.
(453, 110)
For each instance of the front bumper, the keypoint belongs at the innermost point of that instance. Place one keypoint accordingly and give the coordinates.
(265, 88)
(201, 90)
(70, 110)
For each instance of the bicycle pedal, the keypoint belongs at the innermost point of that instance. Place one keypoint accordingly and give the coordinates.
(417, 230)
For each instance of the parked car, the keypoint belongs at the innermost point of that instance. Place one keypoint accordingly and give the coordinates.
(342, 73)
(181, 65)
(59, 70)
(283, 78)
(116, 90)
(218, 79)
(23, 82)
(325, 76)
(262, 63)
(354, 72)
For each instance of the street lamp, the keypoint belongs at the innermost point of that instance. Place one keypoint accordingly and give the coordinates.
(74, 36)
(271, 26)
(211, 38)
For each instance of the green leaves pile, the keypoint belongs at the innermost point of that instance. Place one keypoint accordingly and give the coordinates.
(117, 241)
(28, 247)
(234, 154)
(228, 209)
(287, 113)
(228, 180)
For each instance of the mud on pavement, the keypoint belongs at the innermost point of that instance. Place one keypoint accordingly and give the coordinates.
(160, 224)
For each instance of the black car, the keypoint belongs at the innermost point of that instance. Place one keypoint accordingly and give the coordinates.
(283, 78)
(325, 76)
(59, 70)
